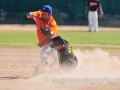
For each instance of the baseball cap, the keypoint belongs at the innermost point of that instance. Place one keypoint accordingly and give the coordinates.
(47, 9)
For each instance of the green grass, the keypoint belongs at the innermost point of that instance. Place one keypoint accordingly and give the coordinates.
(18, 36)
(29, 38)
(102, 37)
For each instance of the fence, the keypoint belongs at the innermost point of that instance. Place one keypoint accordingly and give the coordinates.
(68, 11)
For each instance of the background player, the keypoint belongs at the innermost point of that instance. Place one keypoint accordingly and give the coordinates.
(93, 6)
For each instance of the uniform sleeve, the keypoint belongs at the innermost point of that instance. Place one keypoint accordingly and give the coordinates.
(36, 13)
(53, 27)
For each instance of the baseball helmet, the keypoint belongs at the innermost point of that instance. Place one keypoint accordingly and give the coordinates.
(47, 9)
(57, 41)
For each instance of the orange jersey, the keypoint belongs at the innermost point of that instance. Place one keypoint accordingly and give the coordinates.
(51, 23)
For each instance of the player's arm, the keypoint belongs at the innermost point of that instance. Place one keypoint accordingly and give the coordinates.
(30, 15)
(40, 44)
(53, 28)
(101, 11)
(33, 14)
(86, 7)
(100, 8)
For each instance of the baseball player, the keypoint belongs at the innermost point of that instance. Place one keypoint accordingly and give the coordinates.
(93, 6)
(46, 28)
(67, 59)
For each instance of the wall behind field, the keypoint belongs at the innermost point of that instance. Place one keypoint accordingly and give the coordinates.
(68, 11)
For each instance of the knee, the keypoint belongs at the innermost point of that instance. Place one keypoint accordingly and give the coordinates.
(43, 57)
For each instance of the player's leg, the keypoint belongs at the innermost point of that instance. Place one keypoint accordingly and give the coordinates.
(95, 21)
(44, 59)
(44, 54)
(78, 65)
(54, 56)
(90, 20)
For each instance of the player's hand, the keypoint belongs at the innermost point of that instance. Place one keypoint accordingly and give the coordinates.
(30, 15)
(100, 16)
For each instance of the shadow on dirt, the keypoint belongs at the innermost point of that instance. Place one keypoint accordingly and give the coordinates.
(11, 78)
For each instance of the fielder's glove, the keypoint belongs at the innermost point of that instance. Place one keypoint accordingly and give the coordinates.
(40, 44)
(45, 30)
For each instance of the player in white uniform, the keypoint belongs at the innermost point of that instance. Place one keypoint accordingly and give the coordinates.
(93, 6)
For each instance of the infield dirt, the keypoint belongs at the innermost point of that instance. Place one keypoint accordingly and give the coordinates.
(99, 70)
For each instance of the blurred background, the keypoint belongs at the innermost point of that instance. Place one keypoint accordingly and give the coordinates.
(66, 12)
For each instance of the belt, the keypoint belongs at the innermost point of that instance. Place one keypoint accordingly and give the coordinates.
(92, 10)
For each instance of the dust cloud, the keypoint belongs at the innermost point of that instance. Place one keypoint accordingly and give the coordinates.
(98, 63)
(95, 63)
(97, 67)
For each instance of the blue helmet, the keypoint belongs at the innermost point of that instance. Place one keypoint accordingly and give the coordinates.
(47, 9)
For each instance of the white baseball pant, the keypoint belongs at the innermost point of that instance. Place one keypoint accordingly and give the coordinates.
(93, 20)
(46, 51)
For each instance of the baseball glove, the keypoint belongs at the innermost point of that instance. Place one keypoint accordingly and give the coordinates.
(45, 30)
(40, 44)
(100, 16)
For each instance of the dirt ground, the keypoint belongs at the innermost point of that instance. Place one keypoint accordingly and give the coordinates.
(99, 70)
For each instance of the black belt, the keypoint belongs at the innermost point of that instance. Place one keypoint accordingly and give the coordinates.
(92, 10)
